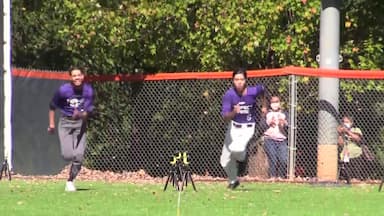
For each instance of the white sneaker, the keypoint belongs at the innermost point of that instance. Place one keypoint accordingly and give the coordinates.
(70, 187)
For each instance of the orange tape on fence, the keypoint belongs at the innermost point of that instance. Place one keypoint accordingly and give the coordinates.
(348, 74)
(40, 74)
(291, 70)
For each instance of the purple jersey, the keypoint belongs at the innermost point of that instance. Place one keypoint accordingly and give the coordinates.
(67, 99)
(247, 103)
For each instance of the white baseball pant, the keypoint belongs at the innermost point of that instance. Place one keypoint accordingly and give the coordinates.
(236, 140)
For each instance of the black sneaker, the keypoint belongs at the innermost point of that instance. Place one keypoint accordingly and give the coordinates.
(234, 185)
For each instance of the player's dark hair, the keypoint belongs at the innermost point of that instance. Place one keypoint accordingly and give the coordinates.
(240, 71)
(72, 68)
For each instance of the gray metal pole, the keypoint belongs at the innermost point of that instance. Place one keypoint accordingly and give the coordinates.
(328, 90)
(292, 127)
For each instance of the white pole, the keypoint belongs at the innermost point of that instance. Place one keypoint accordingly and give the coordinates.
(7, 83)
(292, 128)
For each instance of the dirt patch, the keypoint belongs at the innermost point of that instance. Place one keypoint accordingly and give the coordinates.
(142, 177)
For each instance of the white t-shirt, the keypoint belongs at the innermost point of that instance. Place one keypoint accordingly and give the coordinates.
(273, 132)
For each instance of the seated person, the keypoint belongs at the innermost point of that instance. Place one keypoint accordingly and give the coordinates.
(349, 140)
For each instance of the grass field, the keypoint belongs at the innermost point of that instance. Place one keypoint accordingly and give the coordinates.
(42, 197)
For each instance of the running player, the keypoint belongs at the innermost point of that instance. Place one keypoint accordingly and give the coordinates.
(75, 101)
(239, 111)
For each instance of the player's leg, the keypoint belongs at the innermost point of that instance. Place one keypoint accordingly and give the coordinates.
(79, 145)
(72, 147)
(242, 157)
(229, 164)
(65, 131)
(227, 161)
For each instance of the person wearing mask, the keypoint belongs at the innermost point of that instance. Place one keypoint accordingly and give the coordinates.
(275, 139)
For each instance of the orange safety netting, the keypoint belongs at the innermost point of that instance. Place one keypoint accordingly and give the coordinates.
(291, 70)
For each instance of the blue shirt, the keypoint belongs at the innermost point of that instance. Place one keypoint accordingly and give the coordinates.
(68, 98)
(247, 103)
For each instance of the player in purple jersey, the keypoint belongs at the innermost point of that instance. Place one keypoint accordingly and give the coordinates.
(75, 101)
(239, 111)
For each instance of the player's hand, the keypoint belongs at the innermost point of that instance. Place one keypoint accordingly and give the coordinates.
(236, 108)
(76, 114)
(79, 114)
(51, 130)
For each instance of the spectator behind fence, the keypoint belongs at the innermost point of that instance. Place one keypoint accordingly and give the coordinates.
(275, 140)
(350, 156)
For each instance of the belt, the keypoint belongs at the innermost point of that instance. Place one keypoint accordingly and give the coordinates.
(242, 125)
(69, 117)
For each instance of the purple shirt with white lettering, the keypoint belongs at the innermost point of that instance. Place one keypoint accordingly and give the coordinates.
(247, 103)
(67, 99)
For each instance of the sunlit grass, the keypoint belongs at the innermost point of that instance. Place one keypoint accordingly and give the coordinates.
(27, 197)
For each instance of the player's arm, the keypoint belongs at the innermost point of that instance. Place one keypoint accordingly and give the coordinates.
(228, 112)
(228, 116)
(51, 113)
(88, 102)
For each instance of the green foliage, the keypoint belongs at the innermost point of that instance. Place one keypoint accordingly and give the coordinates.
(128, 36)
(362, 34)
(123, 36)
(362, 43)
(379, 150)
(111, 124)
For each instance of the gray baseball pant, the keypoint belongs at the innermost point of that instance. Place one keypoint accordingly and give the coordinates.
(72, 135)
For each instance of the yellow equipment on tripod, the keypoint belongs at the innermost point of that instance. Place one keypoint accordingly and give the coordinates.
(180, 173)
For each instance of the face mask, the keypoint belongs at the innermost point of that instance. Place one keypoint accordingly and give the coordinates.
(275, 106)
(347, 125)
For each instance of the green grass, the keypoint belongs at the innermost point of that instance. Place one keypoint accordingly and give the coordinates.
(20, 197)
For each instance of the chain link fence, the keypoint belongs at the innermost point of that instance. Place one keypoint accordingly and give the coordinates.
(151, 120)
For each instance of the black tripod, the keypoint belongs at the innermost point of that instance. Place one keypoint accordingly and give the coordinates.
(5, 170)
(180, 173)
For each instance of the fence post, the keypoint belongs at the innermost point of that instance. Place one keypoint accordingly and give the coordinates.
(328, 91)
(292, 127)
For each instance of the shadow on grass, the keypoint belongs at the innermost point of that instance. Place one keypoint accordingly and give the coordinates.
(83, 189)
(244, 189)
